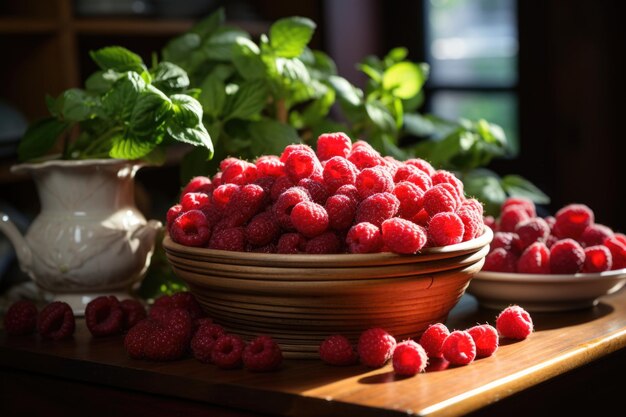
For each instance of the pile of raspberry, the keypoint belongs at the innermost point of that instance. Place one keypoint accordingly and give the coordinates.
(341, 197)
(569, 242)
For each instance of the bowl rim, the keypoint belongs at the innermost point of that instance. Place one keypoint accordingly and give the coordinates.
(550, 278)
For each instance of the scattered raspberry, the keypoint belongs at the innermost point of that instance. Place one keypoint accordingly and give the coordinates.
(534, 229)
(333, 144)
(262, 354)
(327, 242)
(338, 351)
(269, 165)
(364, 238)
(197, 184)
(135, 339)
(486, 339)
(338, 172)
(566, 257)
(432, 339)
(377, 208)
(104, 316)
(375, 347)
(446, 228)
(459, 348)
(535, 259)
(309, 218)
(227, 352)
(525, 204)
(403, 236)
(204, 339)
(409, 358)
(190, 229)
(184, 300)
(56, 321)
(341, 211)
(134, 311)
(21, 318)
(286, 202)
(410, 197)
(598, 258)
(230, 238)
(262, 229)
(437, 200)
(500, 260)
(514, 323)
(595, 234)
(165, 339)
(572, 220)
(372, 181)
(510, 217)
(618, 251)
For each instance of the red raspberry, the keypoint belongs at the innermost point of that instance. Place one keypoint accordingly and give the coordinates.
(507, 240)
(281, 184)
(437, 200)
(446, 228)
(364, 238)
(490, 222)
(195, 201)
(470, 213)
(373, 180)
(459, 348)
(289, 149)
(327, 242)
(245, 203)
(338, 351)
(500, 260)
(266, 182)
(534, 260)
(486, 339)
(377, 208)
(316, 189)
(618, 251)
(349, 190)
(223, 193)
(421, 179)
(286, 202)
(595, 234)
(172, 213)
(572, 220)
(204, 339)
(309, 218)
(375, 347)
(56, 321)
(184, 300)
(227, 352)
(230, 238)
(224, 163)
(239, 172)
(510, 217)
(566, 257)
(403, 236)
(21, 318)
(291, 243)
(337, 172)
(262, 354)
(333, 144)
(341, 211)
(422, 165)
(442, 176)
(135, 339)
(409, 358)
(166, 339)
(269, 165)
(302, 164)
(534, 229)
(365, 157)
(262, 229)
(432, 339)
(190, 229)
(198, 184)
(514, 323)
(410, 197)
(403, 171)
(598, 258)
(134, 311)
(104, 316)
(422, 218)
(525, 204)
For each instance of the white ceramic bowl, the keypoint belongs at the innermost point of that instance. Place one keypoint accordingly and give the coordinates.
(544, 293)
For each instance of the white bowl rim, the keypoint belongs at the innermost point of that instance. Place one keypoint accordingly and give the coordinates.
(550, 278)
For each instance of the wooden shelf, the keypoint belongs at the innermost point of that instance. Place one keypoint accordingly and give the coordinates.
(131, 26)
(24, 25)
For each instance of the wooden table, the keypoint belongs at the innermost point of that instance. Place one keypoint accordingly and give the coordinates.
(564, 367)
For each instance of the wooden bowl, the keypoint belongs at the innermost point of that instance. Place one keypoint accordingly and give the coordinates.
(299, 300)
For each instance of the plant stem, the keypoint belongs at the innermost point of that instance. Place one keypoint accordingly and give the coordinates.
(90, 150)
(281, 111)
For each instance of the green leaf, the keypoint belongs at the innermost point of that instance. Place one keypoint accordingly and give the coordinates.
(126, 146)
(517, 186)
(120, 100)
(169, 77)
(151, 109)
(187, 110)
(207, 26)
(101, 81)
(248, 101)
(185, 124)
(380, 116)
(404, 79)
(293, 69)
(213, 95)
(247, 60)
(486, 188)
(289, 36)
(271, 137)
(395, 55)
(78, 105)
(220, 45)
(118, 59)
(418, 125)
(346, 92)
(316, 110)
(40, 137)
(179, 49)
(371, 72)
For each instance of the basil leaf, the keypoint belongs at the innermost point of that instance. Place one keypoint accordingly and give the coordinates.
(127, 146)
(40, 137)
(213, 95)
(149, 112)
(289, 36)
(485, 188)
(247, 60)
(179, 49)
(118, 59)
(101, 81)
(185, 123)
(78, 105)
(517, 186)
(380, 116)
(346, 92)
(221, 44)
(121, 99)
(248, 101)
(404, 79)
(169, 77)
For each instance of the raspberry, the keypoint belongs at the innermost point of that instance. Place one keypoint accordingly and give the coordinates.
(309, 218)
(442, 176)
(373, 180)
(134, 311)
(341, 211)
(266, 182)
(490, 222)
(566, 257)
(595, 234)
(375, 347)
(224, 163)
(437, 200)
(21, 318)
(514, 323)
(486, 339)
(333, 144)
(239, 172)
(172, 213)
(245, 203)
(377, 208)
(364, 238)
(262, 229)
(269, 165)
(421, 179)
(167, 338)
(135, 339)
(410, 197)
(525, 204)
(446, 228)
(534, 229)
(281, 184)
(471, 215)
(459, 348)
(618, 251)
(262, 354)
(104, 316)
(227, 352)
(572, 220)
(534, 260)
(337, 172)
(432, 339)
(598, 258)
(409, 358)
(197, 184)
(327, 242)
(290, 243)
(223, 193)
(500, 260)
(190, 229)
(184, 300)
(510, 217)
(204, 339)
(403, 236)
(507, 240)
(317, 190)
(403, 171)
(289, 149)
(230, 238)
(338, 351)
(349, 190)
(422, 165)
(364, 156)
(302, 164)
(56, 321)
(195, 201)
(285, 203)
